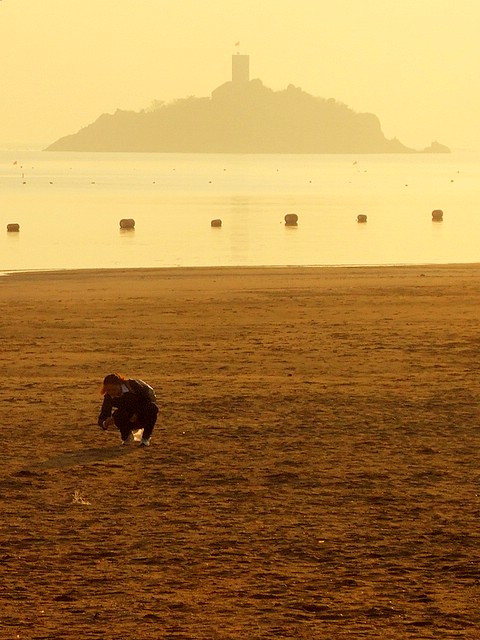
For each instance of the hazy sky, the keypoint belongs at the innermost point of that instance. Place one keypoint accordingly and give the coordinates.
(414, 63)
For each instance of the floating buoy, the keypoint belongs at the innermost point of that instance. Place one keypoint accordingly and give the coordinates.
(216, 223)
(127, 223)
(437, 215)
(361, 217)
(291, 220)
(13, 227)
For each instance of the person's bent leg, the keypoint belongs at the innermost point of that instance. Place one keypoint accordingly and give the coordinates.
(149, 418)
(122, 422)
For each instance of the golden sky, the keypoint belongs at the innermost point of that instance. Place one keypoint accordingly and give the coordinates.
(414, 63)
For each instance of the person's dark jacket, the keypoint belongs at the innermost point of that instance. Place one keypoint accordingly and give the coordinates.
(135, 400)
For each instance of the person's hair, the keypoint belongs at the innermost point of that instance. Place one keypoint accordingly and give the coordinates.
(112, 378)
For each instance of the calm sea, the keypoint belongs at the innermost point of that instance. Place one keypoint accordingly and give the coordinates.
(69, 205)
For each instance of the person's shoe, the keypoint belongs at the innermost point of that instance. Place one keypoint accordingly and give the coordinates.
(128, 439)
(145, 442)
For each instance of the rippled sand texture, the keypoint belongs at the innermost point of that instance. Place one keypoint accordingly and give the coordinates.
(314, 472)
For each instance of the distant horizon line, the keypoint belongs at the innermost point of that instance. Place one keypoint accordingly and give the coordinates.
(40, 146)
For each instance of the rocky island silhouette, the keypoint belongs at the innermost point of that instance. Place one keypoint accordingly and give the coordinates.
(241, 116)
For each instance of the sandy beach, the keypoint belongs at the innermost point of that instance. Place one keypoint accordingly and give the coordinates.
(314, 472)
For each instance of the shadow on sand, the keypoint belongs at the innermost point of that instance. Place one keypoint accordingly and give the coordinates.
(84, 456)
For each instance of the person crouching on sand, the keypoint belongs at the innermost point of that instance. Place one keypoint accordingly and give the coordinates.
(135, 407)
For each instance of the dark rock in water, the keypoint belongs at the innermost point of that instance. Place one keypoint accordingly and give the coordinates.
(291, 220)
(127, 223)
(436, 147)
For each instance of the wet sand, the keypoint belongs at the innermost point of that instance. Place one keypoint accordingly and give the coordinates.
(314, 472)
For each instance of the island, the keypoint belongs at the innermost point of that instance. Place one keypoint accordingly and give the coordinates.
(240, 116)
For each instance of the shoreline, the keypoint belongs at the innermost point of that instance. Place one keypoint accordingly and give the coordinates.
(239, 268)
